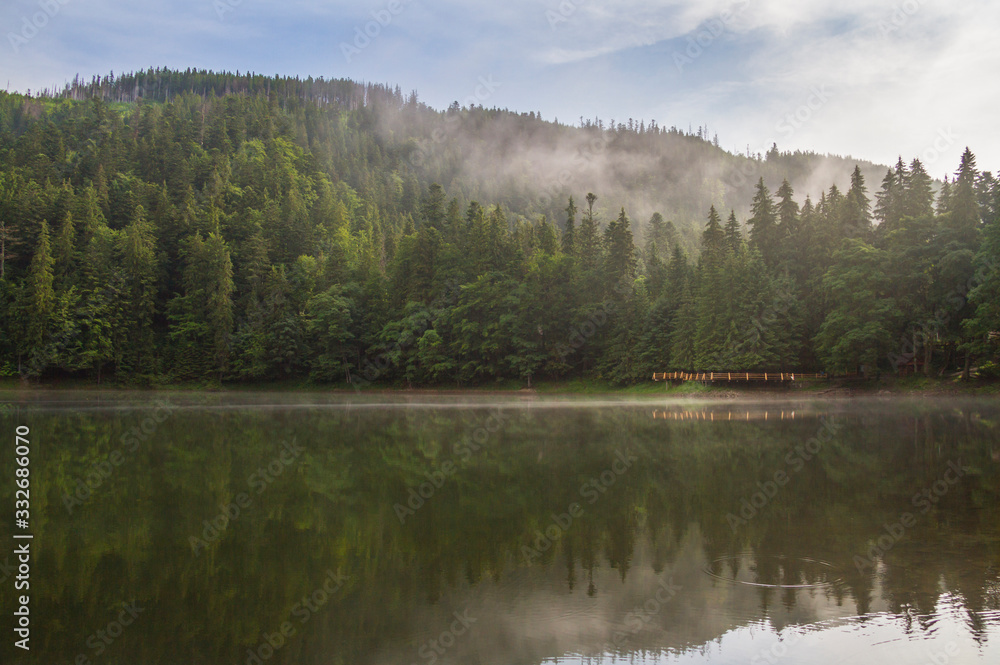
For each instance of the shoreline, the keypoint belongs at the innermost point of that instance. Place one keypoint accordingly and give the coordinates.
(834, 388)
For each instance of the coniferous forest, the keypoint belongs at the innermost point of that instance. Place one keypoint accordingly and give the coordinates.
(197, 226)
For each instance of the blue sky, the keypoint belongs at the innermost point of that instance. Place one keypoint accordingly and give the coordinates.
(870, 79)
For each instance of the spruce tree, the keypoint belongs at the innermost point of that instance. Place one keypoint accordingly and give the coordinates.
(734, 237)
(918, 198)
(40, 297)
(763, 224)
(569, 233)
(138, 252)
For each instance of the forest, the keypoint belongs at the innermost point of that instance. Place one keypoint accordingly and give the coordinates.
(166, 226)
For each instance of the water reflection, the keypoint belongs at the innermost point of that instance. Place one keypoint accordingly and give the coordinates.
(491, 563)
(727, 414)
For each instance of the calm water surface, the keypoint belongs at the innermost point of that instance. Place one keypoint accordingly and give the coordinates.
(338, 529)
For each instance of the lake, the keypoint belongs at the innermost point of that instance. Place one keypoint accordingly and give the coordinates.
(319, 528)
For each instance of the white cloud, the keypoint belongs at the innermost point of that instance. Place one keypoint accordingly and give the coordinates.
(900, 70)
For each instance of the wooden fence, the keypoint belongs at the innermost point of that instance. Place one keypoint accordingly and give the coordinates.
(737, 376)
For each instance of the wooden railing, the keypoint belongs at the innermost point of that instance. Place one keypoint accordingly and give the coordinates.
(737, 376)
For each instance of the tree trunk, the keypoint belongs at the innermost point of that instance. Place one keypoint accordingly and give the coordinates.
(965, 370)
(947, 361)
(928, 355)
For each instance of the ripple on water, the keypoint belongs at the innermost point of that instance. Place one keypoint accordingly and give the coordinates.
(775, 571)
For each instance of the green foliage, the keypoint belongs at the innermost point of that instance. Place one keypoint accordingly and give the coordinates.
(857, 331)
(240, 228)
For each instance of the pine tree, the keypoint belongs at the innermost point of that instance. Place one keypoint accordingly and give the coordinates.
(677, 277)
(734, 237)
(138, 252)
(888, 208)
(64, 253)
(659, 231)
(569, 233)
(202, 319)
(788, 209)
(40, 297)
(713, 238)
(857, 215)
(682, 340)
(918, 199)
(963, 208)
(588, 246)
(763, 224)
(218, 291)
(432, 210)
(944, 197)
(711, 296)
(983, 327)
(620, 259)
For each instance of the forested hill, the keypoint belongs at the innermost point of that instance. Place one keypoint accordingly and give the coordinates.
(376, 139)
(185, 226)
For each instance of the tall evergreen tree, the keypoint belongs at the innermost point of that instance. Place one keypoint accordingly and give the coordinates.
(734, 237)
(620, 259)
(918, 199)
(713, 238)
(139, 264)
(763, 223)
(569, 233)
(40, 298)
(857, 215)
(589, 241)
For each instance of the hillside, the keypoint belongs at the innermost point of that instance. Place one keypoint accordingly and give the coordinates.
(194, 225)
(528, 165)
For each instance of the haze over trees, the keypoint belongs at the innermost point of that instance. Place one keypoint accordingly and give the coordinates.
(198, 226)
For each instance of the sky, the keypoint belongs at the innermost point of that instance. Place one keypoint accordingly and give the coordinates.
(870, 79)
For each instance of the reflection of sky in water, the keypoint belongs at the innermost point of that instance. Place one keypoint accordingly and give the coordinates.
(873, 639)
(532, 617)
